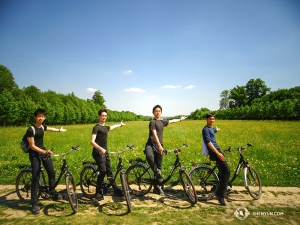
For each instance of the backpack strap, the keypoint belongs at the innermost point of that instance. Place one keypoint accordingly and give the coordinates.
(32, 127)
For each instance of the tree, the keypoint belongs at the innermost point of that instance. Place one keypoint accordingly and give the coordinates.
(256, 89)
(34, 93)
(224, 102)
(9, 111)
(98, 99)
(7, 81)
(238, 97)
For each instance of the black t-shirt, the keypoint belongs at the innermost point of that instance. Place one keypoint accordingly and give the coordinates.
(101, 135)
(38, 137)
(157, 125)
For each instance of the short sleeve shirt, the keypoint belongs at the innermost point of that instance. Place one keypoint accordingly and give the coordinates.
(38, 137)
(208, 135)
(157, 125)
(101, 135)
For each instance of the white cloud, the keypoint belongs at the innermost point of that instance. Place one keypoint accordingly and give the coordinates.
(171, 86)
(91, 90)
(190, 87)
(128, 71)
(135, 90)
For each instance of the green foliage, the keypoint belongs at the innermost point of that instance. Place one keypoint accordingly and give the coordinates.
(7, 81)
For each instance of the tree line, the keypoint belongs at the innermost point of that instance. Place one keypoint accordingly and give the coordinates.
(17, 105)
(256, 101)
(253, 101)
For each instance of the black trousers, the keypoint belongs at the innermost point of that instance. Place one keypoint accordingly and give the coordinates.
(36, 165)
(224, 174)
(154, 158)
(103, 163)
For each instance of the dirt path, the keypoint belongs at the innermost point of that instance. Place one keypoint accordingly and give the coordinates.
(275, 196)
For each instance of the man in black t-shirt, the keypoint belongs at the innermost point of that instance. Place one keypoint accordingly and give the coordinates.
(36, 143)
(154, 146)
(99, 143)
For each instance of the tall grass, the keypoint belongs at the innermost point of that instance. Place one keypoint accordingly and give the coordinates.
(275, 154)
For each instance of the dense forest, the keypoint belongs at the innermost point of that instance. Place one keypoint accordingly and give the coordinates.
(254, 101)
(17, 105)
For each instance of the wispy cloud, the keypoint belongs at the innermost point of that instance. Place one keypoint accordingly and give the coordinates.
(190, 87)
(135, 90)
(91, 90)
(128, 72)
(171, 86)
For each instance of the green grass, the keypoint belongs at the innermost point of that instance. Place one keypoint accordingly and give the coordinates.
(275, 155)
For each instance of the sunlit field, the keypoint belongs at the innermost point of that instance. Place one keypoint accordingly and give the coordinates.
(275, 154)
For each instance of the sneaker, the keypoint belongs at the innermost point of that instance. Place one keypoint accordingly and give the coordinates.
(159, 178)
(118, 192)
(221, 200)
(35, 209)
(99, 197)
(158, 190)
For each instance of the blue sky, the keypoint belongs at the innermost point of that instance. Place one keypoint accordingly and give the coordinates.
(178, 53)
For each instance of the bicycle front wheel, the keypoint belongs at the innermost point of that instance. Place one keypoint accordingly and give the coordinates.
(125, 189)
(23, 185)
(88, 182)
(205, 180)
(71, 191)
(188, 186)
(252, 182)
(139, 179)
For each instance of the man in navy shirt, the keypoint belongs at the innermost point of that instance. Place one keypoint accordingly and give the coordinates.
(208, 134)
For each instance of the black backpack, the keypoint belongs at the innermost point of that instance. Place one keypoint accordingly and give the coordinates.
(24, 143)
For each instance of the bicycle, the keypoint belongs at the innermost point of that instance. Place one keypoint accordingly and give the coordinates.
(206, 179)
(24, 180)
(89, 174)
(140, 179)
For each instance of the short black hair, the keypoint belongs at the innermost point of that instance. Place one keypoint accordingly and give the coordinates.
(208, 115)
(157, 106)
(39, 111)
(101, 111)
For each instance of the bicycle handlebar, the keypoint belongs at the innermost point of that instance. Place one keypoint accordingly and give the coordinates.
(131, 147)
(239, 148)
(176, 150)
(73, 148)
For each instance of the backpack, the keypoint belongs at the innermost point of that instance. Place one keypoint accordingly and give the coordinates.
(204, 149)
(24, 143)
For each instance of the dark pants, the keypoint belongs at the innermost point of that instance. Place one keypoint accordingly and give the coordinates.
(154, 158)
(36, 170)
(103, 163)
(224, 174)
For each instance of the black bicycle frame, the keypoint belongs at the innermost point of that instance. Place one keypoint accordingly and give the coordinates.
(175, 166)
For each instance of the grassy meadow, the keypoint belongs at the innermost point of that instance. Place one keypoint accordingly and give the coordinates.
(275, 154)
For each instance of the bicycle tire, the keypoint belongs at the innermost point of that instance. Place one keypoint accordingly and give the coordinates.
(205, 180)
(252, 182)
(23, 185)
(88, 182)
(188, 186)
(71, 191)
(138, 178)
(125, 189)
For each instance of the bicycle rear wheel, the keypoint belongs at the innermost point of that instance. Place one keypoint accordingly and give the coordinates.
(188, 186)
(252, 182)
(71, 191)
(138, 177)
(23, 185)
(88, 182)
(205, 180)
(125, 189)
